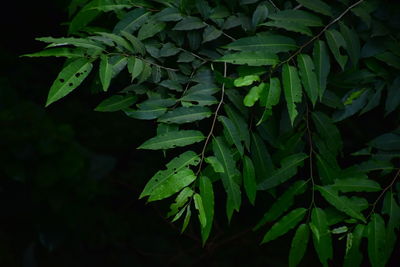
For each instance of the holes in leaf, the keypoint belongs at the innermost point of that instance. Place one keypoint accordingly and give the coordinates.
(70, 84)
(62, 80)
(78, 74)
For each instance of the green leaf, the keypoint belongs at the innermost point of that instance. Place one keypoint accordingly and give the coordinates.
(308, 77)
(185, 115)
(173, 139)
(118, 40)
(198, 203)
(145, 74)
(356, 185)
(115, 103)
(321, 236)
(292, 89)
(251, 58)
(106, 72)
(299, 245)
(230, 177)
(322, 65)
(211, 33)
(135, 67)
(58, 52)
(189, 23)
(297, 16)
(260, 156)
(353, 257)
(376, 234)
(147, 112)
(341, 203)
(392, 209)
(317, 6)
(168, 14)
(274, 93)
(150, 28)
(288, 169)
(249, 179)
(254, 94)
(327, 169)
(135, 43)
(268, 43)
(187, 219)
(207, 195)
(78, 42)
(216, 165)
(246, 80)
(328, 131)
(388, 141)
(240, 124)
(289, 26)
(284, 202)
(285, 224)
(177, 176)
(232, 132)
(393, 97)
(259, 15)
(68, 79)
(352, 43)
(335, 41)
(180, 201)
(132, 21)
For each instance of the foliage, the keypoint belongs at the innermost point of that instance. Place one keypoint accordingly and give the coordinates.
(263, 92)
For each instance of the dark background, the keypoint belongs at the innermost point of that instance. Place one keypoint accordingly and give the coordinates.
(70, 177)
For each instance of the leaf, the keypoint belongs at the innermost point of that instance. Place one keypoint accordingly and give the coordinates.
(230, 177)
(251, 58)
(187, 219)
(168, 14)
(246, 80)
(297, 16)
(388, 141)
(299, 245)
(198, 203)
(376, 234)
(328, 131)
(285, 224)
(393, 97)
(78, 42)
(173, 139)
(283, 203)
(135, 43)
(321, 236)
(211, 33)
(292, 89)
(254, 94)
(185, 115)
(288, 170)
(317, 6)
(322, 65)
(353, 255)
(240, 124)
(216, 165)
(308, 77)
(132, 21)
(145, 74)
(118, 40)
(68, 79)
(352, 43)
(115, 103)
(106, 72)
(268, 43)
(147, 112)
(274, 93)
(356, 185)
(260, 156)
(189, 23)
(232, 132)
(150, 28)
(392, 209)
(135, 67)
(289, 26)
(207, 195)
(176, 177)
(58, 52)
(335, 41)
(180, 201)
(259, 15)
(249, 179)
(341, 203)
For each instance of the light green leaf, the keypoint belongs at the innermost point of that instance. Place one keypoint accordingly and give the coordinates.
(78, 42)
(335, 41)
(251, 58)
(285, 224)
(299, 245)
(211, 33)
(187, 218)
(216, 165)
(135, 67)
(352, 43)
(340, 230)
(356, 185)
(207, 195)
(68, 79)
(173, 139)
(376, 234)
(353, 257)
(268, 43)
(58, 52)
(288, 169)
(185, 115)
(341, 203)
(180, 201)
(249, 179)
(189, 23)
(115, 103)
(289, 26)
(283, 203)
(322, 65)
(105, 72)
(230, 177)
(328, 132)
(308, 77)
(150, 28)
(274, 93)
(254, 94)
(292, 89)
(317, 6)
(177, 176)
(232, 132)
(297, 16)
(132, 21)
(246, 80)
(198, 203)
(321, 236)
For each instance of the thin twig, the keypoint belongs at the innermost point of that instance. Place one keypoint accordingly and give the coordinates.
(210, 134)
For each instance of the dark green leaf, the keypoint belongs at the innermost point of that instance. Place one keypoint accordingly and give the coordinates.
(115, 103)
(173, 139)
(254, 58)
(232, 132)
(292, 89)
(353, 257)
(297, 16)
(249, 179)
(356, 185)
(185, 115)
(308, 77)
(267, 43)
(189, 23)
(376, 234)
(289, 26)
(317, 6)
(335, 41)
(352, 43)
(106, 72)
(207, 195)
(150, 28)
(299, 245)
(132, 21)
(198, 203)
(328, 131)
(321, 236)
(322, 65)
